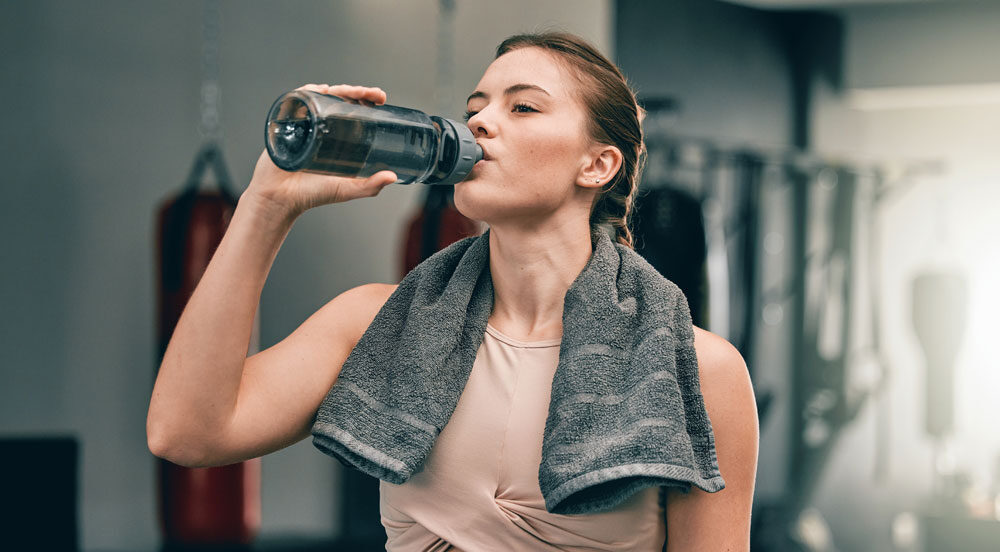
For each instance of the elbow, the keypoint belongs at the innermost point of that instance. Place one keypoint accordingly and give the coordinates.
(155, 442)
(156, 439)
(174, 449)
(160, 444)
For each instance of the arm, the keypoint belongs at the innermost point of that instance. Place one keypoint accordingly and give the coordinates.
(211, 405)
(715, 522)
(198, 380)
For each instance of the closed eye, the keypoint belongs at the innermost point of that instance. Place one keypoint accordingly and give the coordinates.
(518, 108)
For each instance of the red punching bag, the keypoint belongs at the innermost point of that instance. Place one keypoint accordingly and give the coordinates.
(199, 506)
(436, 226)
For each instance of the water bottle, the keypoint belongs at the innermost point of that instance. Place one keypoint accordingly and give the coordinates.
(320, 133)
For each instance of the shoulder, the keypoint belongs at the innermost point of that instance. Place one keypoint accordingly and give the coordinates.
(369, 298)
(725, 385)
(731, 406)
(718, 360)
(721, 520)
(378, 293)
(363, 303)
(375, 295)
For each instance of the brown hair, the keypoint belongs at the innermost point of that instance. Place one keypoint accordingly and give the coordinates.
(614, 120)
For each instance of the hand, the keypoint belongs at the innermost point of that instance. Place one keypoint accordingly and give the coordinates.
(299, 191)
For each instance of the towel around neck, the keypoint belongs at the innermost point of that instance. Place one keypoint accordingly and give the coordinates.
(626, 409)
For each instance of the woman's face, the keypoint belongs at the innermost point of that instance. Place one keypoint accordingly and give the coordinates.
(525, 115)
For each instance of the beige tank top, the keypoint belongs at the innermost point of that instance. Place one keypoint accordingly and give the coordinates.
(479, 488)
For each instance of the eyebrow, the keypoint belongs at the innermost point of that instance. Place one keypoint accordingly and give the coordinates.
(514, 88)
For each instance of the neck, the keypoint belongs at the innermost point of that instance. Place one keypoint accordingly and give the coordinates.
(532, 269)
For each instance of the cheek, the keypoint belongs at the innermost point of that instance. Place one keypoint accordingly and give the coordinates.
(536, 176)
(552, 155)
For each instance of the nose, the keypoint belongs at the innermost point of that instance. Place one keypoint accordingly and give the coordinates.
(480, 126)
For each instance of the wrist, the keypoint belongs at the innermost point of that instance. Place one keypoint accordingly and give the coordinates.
(267, 209)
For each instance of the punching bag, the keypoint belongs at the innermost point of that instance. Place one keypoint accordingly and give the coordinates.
(670, 234)
(199, 506)
(436, 226)
(940, 310)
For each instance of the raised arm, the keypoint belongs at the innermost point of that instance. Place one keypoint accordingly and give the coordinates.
(211, 405)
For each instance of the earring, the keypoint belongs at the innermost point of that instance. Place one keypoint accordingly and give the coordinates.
(597, 181)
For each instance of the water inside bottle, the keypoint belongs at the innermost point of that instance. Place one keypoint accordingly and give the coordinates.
(359, 148)
(289, 137)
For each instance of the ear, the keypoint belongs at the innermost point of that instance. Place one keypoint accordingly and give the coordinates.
(600, 167)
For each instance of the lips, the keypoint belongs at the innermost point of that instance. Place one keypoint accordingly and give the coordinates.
(486, 154)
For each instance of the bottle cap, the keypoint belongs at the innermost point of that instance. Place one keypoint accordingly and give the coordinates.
(466, 151)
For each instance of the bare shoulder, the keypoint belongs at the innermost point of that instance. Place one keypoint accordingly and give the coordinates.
(380, 293)
(694, 520)
(377, 294)
(365, 301)
(725, 381)
(719, 362)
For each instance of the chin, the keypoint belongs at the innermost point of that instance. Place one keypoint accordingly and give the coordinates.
(472, 200)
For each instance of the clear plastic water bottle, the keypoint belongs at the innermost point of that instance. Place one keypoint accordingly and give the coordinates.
(319, 133)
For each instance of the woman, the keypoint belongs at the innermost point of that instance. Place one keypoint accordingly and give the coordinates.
(561, 136)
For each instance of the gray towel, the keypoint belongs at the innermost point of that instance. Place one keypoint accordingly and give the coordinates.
(626, 409)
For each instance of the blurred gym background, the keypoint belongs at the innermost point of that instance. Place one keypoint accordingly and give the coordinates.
(831, 167)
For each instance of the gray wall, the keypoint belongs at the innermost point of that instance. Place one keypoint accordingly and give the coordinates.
(923, 43)
(102, 124)
(944, 217)
(722, 63)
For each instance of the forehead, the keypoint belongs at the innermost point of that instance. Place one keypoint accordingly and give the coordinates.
(528, 65)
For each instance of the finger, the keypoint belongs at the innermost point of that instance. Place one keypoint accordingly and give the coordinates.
(361, 93)
(344, 90)
(382, 179)
(321, 88)
(375, 95)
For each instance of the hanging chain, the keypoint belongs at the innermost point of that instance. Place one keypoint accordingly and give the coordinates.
(211, 92)
(444, 92)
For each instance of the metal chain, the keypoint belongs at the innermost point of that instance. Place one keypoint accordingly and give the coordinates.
(444, 90)
(211, 92)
